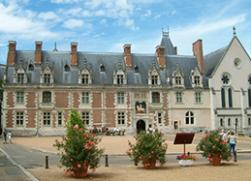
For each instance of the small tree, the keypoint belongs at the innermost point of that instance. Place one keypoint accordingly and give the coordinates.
(149, 148)
(79, 149)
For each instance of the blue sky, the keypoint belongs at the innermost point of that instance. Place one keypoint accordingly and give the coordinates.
(105, 25)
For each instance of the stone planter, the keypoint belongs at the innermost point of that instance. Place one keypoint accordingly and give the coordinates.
(149, 164)
(215, 160)
(185, 163)
(80, 170)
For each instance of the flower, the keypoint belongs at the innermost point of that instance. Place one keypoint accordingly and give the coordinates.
(212, 144)
(78, 148)
(148, 147)
(186, 157)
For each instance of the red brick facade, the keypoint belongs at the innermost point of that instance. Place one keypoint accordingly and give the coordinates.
(61, 99)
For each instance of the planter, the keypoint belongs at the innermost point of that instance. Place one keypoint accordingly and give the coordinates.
(149, 164)
(215, 160)
(185, 163)
(80, 170)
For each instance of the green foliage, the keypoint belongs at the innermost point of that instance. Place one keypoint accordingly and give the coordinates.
(148, 147)
(212, 144)
(78, 147)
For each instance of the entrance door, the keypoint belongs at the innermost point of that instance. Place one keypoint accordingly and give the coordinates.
(141, 126)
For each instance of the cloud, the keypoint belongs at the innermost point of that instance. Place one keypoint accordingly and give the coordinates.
(64, 1)
(16, 22)
(73, 23)
(48, 16)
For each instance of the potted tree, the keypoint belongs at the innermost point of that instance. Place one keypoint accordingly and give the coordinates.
(78, 149)
(214, 148)
(148, 149)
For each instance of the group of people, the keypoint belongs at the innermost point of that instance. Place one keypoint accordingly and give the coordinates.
(6, 136)
(230, 138)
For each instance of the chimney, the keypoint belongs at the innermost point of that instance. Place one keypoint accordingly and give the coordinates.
(74, 53)
(127, 55)
(161, 56)
(38, 52)
(11, 53)
(198, 53)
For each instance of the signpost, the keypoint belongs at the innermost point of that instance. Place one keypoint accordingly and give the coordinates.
(183, 138)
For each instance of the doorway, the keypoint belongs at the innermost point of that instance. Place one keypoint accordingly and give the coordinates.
(140, 126)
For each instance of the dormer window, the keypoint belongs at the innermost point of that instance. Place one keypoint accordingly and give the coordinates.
(66, 68)
(47, 78)
(178, 80)
(120, 79)
(197, 80)
(31, 67)
(102, 68)
(85, 79)
(154, 79)
(20, 78)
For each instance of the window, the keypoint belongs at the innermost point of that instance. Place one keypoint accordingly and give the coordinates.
(47, 78)
(178, 80)
(66, 68)
(223, 103)
(189, 117)
(46, 97)
(198, 97)
(155, 97)
(225, 79)
(47, 118)
(229, 122)
(221, 122)
(121, 118)
(178, 97)
(19, 97)
(19, 119)
(85, 98)
(102, 68)
(154, 79)
(249, 121)
(20, 78)
(120, 97)
(60, 118)
(120, 79)
(249, 97)
(86, 118)
(31, 67)
(197, 80)
(85, 79)
(159, 118)
(230, 100)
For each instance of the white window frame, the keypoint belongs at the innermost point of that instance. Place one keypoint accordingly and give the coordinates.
(189, 115)
(86, 118)
(120, 98)
(85, 97)
(47, 119)
(20, 118)
(197, 96)
(179, 97)
(19, 97)
(121, 118)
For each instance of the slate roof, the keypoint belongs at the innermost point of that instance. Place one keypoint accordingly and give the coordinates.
(111, 62)
(212, 59)
(2, 71)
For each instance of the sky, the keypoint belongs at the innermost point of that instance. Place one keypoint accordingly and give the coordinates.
(106, 25)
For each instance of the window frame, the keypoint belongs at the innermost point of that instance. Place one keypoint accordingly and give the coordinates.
(155, 97)
(120, 98)
(189, 118)
(20, 97)
(85, 97)
(19, 119)
(121, 119)
(179, 97)
(45, 99)
(85, 116)
(46, 119)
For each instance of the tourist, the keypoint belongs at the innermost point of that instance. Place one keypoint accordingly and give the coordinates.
(5, 135)
(9, 136)
(232, 140)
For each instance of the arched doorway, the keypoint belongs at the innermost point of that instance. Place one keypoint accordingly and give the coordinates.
(141, 125)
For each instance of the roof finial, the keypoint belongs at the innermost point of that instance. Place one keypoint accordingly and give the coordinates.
(55, 47)
(234, 31)
(165, 33)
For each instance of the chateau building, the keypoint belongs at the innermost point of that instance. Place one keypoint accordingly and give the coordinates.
(126, 90)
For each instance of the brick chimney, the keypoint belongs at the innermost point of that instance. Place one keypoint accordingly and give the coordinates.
(127, 55)
(160, 53)
(38, 52)
(198, 53)
(74, 53)
(11, 53)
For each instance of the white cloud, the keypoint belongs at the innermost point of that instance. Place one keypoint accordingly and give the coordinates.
(48, 16)
(64, 1)
(73, 23)
(12, 22)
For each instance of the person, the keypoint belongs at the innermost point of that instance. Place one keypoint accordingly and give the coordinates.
(9, 137)
(5, 135)
(224, 136)
(150, 129)
(232, 140)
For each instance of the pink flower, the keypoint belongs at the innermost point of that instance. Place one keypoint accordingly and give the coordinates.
(79, 165)
(76, 126)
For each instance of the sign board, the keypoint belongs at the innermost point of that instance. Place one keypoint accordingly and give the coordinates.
(183, 138)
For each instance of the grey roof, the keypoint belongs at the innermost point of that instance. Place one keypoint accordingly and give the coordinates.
(212, 59)
(167, 44)
(2, 71)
